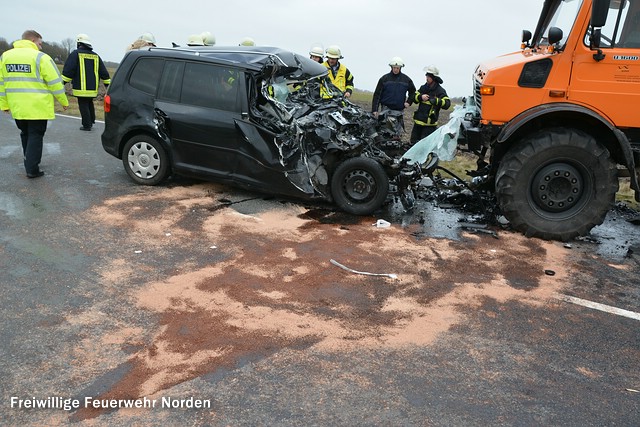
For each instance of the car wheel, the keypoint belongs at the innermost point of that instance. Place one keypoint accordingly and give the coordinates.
(557, 184)
(145, 160)
(359, 185)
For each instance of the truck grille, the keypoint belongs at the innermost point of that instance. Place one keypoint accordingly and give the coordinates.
(476, 94)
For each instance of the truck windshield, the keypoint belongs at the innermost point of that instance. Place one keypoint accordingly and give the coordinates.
(561, 15)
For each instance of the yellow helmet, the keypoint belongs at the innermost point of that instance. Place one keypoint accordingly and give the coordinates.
(247, 41)
(333, 51)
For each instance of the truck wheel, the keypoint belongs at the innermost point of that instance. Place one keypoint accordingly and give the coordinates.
(557, 184)
(359, 185)
(145, 160)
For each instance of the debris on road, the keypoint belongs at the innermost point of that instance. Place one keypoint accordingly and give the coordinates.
(336, 263)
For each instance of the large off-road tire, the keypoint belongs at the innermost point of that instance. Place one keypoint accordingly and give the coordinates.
(556, 184)
(359, 185)
(145, 160)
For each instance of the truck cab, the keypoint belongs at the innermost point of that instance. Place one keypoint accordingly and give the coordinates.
(556, 122)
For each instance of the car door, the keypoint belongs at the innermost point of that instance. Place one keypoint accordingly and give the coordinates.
(200, 103)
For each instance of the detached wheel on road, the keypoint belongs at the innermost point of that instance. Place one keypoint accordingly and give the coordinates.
(145, 160)
(557, 184)
(359, 185)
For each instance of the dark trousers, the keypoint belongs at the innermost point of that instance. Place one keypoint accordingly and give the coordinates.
(418, 132)
(87, 111)
(32, 135)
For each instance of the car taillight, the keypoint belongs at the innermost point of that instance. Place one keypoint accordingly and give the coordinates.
(107, 104)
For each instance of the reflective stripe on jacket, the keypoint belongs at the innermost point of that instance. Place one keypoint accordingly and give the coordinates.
(84, 69)
(29, 80)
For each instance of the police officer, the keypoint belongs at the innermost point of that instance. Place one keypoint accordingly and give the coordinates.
(339, 75)
(431, 97)
(28, 79)
(84, 69)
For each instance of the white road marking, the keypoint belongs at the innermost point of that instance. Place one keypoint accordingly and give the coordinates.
(75, 117)
(598, 306)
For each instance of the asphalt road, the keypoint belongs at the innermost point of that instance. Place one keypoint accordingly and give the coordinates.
(193, 293)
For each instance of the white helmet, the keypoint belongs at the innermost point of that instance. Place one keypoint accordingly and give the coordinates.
(208, 39)
(195, 40)
(148, 37)
(396, 61)
(83, 38)
(433, 70)
(316, 50)
(247, 41)
(333, 51)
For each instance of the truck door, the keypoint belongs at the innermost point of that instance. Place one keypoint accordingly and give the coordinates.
(611, 84)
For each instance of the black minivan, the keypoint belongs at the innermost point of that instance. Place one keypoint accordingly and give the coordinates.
(258, 117)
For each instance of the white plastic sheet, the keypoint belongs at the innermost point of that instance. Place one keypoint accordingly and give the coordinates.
(443, 142)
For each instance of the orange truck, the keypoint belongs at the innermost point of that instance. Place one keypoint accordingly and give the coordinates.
(556, 124)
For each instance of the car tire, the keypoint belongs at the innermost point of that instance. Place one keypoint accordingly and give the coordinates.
(359, 185)
(557, 184)
(145, 160)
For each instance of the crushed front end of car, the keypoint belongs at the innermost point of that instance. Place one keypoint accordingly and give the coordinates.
(317, 130)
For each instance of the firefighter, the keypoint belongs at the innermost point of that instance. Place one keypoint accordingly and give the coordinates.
(146, 39)
(339, 75)
(84, 69)
(247, 41)
(29, 81)
(394, 90)
(431, 97)
(316, 53)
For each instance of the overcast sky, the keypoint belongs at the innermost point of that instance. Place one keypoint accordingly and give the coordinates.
(454, 35)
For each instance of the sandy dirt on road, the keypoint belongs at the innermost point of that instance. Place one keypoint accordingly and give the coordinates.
(275, 287)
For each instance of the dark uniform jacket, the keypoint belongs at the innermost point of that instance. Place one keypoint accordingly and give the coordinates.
(392, 90)
(428, 111)
(84, 69)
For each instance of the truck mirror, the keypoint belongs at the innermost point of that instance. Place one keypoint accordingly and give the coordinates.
(594, 38)
(555, 35)
(526, 36)
(599, 12)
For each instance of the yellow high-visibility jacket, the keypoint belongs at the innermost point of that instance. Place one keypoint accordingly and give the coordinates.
(29, 80)
(343, 79)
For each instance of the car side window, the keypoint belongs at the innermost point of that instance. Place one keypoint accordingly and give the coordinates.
(210, 86)
(171, 82)
(146, 75)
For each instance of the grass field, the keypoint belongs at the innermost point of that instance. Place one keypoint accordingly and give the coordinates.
(459, 165)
